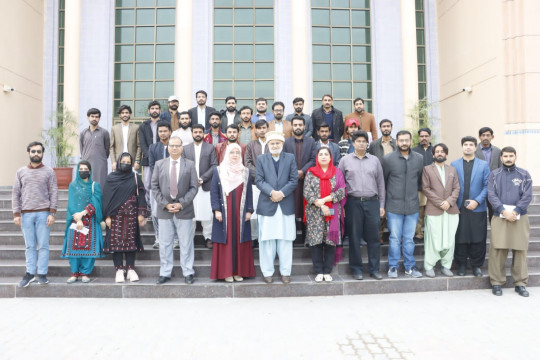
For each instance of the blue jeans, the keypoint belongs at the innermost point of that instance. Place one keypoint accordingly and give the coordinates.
(401, 227)
(36, 237)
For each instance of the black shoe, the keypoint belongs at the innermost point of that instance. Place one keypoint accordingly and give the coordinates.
(209, 244)
(462, 270)
(190, 279)
(497, 290)
(255, 243)
(418, 240)
(477, 272)
(27, 280)
(162, 280)
(376, 275)
(358, 276)
(522, 291)
(42, 280)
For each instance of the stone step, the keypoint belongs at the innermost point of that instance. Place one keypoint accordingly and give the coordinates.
(301, 285)
(150, 268)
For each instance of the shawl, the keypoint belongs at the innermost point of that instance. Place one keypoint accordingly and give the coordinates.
(118, 187)
(326, 186)
(231, 174)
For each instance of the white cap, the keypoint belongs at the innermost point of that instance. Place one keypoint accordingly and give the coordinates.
(173, 98)
(274, 135)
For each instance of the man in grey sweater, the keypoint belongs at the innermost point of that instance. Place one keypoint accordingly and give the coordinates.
(34, 202)
(403, 178)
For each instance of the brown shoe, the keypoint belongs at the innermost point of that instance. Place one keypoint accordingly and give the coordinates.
(286, 279)
(209, 244)
(268, 279)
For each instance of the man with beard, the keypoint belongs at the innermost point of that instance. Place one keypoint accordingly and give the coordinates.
(247, 128)
(328, 114)
(229, 116)
(262, 105)
(303, 148)
(125, 138)
(214, 136)
(171, 116)
(34, 202)
(95, 144)
(323, 134)
(276, 176)
(200, 114)
(440, 185)
(345, 144)
(184, 132)
(510, 193)
(148, 135)
(278, 124)
(298, 106)
(365, 119)
(403, 178)
(232, 138)
(205, 159)
(472, 229)
(426, 150)
(490, 153)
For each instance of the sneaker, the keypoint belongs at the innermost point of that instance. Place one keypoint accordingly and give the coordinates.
(413, 272)
(42, 280)
(176, 244)
(120, 276)
(132, 275)
(446, 272)
(327, 277)
(27, 279)
(319, 278)
(430, 273)
(392, 272)
(71, 280)
(85, 279)
(156, 245)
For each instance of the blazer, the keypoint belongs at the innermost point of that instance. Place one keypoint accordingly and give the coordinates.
(334, 150)
(224, 120)
(309, 148)
(287, 127)
(317, 117)
(221, 147)
(156, 153)
(479, 183)
(267, 180)
(436, 193)
(187, 189)
(194, 115)
(495, 161)
(145, 138)
(253, 151)
(133, 143)
(207, 162)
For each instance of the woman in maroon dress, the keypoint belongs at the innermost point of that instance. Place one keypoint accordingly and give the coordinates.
(232, 204)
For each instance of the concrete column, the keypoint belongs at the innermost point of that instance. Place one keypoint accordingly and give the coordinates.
(182, 52)
(432, 64)
(72, 51)
(283, 56)
(202, 56)
(300, 44)
(409, 58)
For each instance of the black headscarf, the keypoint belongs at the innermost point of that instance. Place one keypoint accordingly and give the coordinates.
(118, 187)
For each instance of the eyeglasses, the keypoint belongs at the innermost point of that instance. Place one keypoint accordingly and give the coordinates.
(175, 146)
(36, 151)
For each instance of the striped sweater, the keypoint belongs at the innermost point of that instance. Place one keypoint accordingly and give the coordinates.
(34, 189)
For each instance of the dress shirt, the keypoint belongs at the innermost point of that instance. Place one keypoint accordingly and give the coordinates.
(263, 146)
(487, 154)
(125, 131)
(387, 147)
(184, 134)
(153, 126)
(201, 115)
(198, 149)
(364, 176)
(230, 118)
(278, 125)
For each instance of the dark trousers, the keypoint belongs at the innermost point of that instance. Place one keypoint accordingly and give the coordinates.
(363, 221)
(476, 252)
(490, 210)
(118, 260)
(323, 258)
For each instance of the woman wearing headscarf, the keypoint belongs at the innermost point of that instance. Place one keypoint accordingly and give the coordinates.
(83, 240)
(124, 210)
(232, 203)
(324, 196)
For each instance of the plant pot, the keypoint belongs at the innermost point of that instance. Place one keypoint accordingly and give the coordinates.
(63, 177)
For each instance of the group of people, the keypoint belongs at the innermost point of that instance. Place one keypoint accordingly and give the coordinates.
(259, 179)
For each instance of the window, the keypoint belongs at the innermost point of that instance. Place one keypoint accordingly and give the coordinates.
(61, 36)
(421, 49)
(144, 54)
(341, 48)
(243, 50)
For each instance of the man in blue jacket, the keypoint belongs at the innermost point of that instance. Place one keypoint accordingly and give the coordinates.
(472, 229)
(510, 193)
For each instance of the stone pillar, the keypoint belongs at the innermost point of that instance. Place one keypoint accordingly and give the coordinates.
(300, 46)
(182, 53)
(72, 51)
(409, 59)
(202, 57)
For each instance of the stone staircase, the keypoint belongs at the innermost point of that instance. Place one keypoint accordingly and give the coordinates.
(12, 268)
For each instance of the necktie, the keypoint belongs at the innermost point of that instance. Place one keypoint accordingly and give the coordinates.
(174, 180)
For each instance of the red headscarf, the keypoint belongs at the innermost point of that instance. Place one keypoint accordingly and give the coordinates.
(325, 185)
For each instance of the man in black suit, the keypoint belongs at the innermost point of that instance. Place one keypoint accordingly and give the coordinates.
(328, 114)
(230, 115)
(303, 148)
(205, 159)
(200, 114)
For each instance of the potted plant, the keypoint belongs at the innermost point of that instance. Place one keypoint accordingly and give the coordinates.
(59, 139)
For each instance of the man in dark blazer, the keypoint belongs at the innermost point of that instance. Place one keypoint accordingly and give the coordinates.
(204, 155)
(148, 135)
(230, 115)
(471, 234)
(323, 134)
(276, 176)
(174, 210)
(328, 114)
(202, 109)
(303, 148)
(490, 153)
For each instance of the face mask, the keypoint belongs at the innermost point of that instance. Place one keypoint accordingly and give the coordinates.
(84, 174)
(125, 167)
